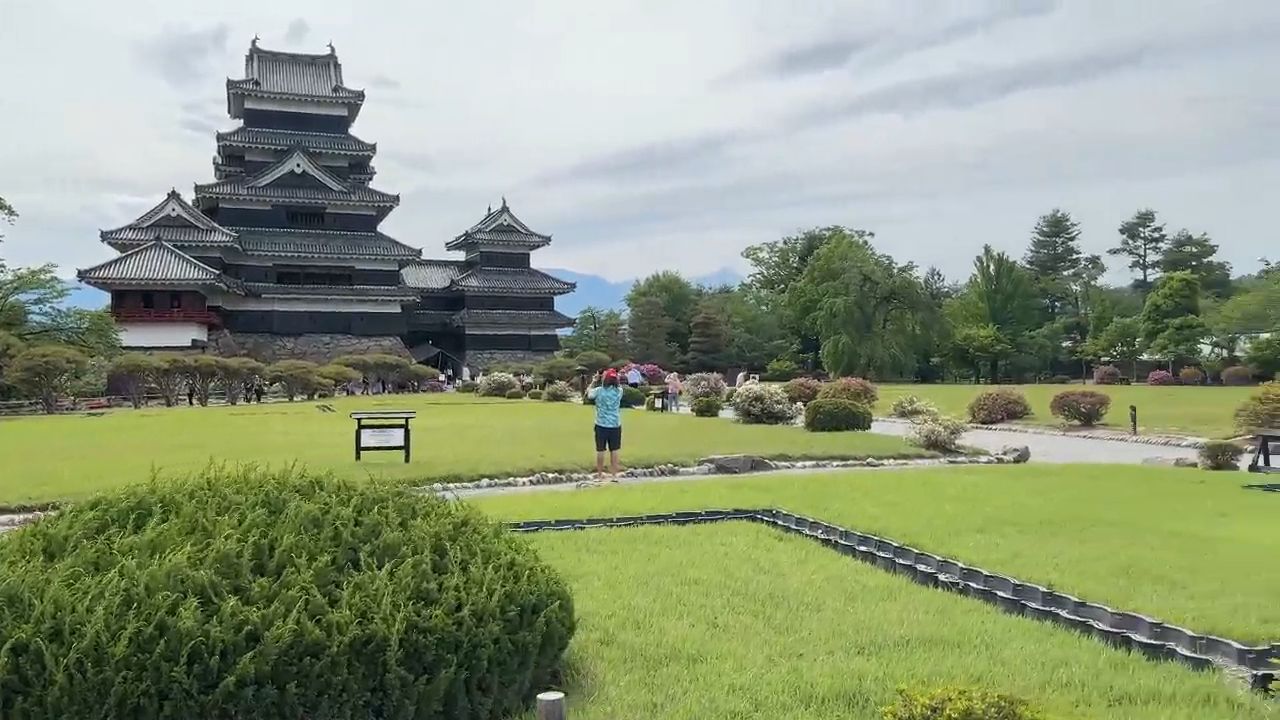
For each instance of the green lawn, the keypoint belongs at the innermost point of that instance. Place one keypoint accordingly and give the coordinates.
(455, 437)
(1185, 546)
(739, 621)
(1197, 411)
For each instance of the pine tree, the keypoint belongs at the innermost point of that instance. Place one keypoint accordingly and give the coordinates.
(708, 340)
(1054, 259)
(648, 326)
(1194, 254)
(1142, 240)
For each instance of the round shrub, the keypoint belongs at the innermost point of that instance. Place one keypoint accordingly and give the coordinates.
(937, 433)
(850, 388)
(1191, 376)
(728, 395)
(958, 704)
(1237, 375)
(632, 397)
(1085, 407)
(911, 406)
(515, 394)
(760, 404)
(1060, 380)
(534, 394)
(1262, 410)
(1107, 375)
(1220, 455)
(802, 390)
(467, 386)
(259, 595)
(830, 415)
(432, 386)
(1161, 377)
(497, 384)
(558, 392)
(700, 385)
(781, 369)
(997, 406)
(707, 407)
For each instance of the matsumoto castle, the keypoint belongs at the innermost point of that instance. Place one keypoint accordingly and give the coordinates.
(281, 257)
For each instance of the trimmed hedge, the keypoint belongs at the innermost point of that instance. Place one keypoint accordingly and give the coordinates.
(997, 406)
(1237, 375)
(1107, 375)
(534, 394)
(467, 386)
(850, 388)
(259, 595)
(707, 407)
(833, 415)
(632, 397)
(958, 704)
(1085, 407)
(515, 394)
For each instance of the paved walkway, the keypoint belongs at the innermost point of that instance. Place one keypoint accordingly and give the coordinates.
(1056, 448)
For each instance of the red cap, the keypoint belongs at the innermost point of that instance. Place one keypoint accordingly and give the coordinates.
(610, 374)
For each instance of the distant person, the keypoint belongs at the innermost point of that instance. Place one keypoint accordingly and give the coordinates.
(674, 386)
(257, 392)
(448, 375)
(466, 373)
(608, 428)
(191, 394)
(741, 380)
(364, 384)
(634, 378)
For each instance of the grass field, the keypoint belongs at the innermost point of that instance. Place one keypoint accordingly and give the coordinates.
(1197, 411)
(1185, 546)
(757, 624)
(455, 436)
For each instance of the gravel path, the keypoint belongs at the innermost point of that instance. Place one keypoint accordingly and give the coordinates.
(1056, 448)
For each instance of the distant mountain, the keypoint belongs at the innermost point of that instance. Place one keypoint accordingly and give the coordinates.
(598, 292)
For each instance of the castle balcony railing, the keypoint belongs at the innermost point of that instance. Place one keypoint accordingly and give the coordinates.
(202, 317)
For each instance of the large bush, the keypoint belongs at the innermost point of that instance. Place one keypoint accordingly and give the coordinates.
(937, 433)
(832, 415)
(760, 404)
(958, 704)
(1191, 376)
(802, 390)
(1106, 375)
(1086, 407)
(467, 386)
(632, 397)
(535, 394)
(700, 385)
(1264, 356)
(557, 392)
(781, 369)
(497, 384)
(266, 595)
(1161, 377)
(707, 406)
(1262, 410)
(556, 368)
(997, 406)
(1220, 455)
(911, 406)
(1237, 375)
(593, 360)
(850, 388)
(515, 394)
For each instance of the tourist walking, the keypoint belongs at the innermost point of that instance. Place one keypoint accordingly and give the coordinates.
(466, 373)
(742, 379)
(634, 377)
(608, 428)
(674, 386)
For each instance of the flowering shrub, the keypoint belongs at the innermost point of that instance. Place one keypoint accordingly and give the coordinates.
(653, 375)
(432, 386)
(802, 390)
(557, 392)
(704, 385)
(1106, 375)
(850, 388)
(1161, 377)
(997, 406)
(707, 406)
(1220, 455)
(910, 406)
(1086, 407)
(1191, 376)
(937, 432)
(1262, 410)
(1237, 375)
(497, 384)
(760, 404)
(831, 415)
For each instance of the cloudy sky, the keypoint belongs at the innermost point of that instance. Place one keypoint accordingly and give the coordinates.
(655, 134)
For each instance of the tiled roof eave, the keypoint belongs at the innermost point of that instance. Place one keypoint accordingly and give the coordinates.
(348, 96)
(390, 202)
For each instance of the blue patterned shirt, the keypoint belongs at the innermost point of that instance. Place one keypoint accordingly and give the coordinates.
(608, 400)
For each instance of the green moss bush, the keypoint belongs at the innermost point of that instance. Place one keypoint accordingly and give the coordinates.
(834, 415)
(959, 704)
(256, 594)
(707, 407)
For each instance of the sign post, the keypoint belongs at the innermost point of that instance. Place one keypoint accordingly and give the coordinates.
(387, 430)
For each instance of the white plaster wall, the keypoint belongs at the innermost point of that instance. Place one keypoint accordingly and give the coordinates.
(161, 334)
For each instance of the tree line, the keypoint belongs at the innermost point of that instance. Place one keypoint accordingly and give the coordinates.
(827, 300)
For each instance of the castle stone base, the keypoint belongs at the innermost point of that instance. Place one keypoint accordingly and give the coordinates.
(485, 359)
(319, 348)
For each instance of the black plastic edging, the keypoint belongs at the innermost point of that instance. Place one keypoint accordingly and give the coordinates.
(1154, 639)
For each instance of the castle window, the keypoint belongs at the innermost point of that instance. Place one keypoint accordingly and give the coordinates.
(305, 218)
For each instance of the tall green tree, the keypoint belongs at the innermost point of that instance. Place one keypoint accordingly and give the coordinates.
(46, 372)
(1142, 241)
(679, 299)
(865, 307)
(709, 340)
(648, 327)
(1121, 340)
(754, 318)
(1194, 254)
(1176, 295)
(597, 330)
(1179, 340)
(1053, 259)
(999, 294)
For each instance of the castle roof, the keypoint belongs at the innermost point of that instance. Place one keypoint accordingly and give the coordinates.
(297, 178)
(284, 75)
(271, 139)
(173, 220)
(154, 264)
(323, 244)
(502, 228)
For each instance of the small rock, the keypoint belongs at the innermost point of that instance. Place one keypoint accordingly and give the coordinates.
(872, 462)
(1016, 453)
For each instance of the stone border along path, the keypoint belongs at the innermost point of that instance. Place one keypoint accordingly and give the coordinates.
(1095, 434)
(1130, 631)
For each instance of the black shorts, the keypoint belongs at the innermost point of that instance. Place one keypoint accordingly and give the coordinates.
(608, 438)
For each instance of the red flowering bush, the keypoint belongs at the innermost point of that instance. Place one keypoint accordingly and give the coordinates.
(850, 388)
(1086, 407)
(653, 374)
(1106, 375)
(802, 390)
(997, 406)
(1161, 377)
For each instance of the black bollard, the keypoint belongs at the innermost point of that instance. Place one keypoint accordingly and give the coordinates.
(1133, 418)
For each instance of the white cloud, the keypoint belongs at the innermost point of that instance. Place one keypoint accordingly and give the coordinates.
(652, 135)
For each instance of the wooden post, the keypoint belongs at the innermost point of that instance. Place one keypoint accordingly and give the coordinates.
(1133, 418)
(551, 705)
